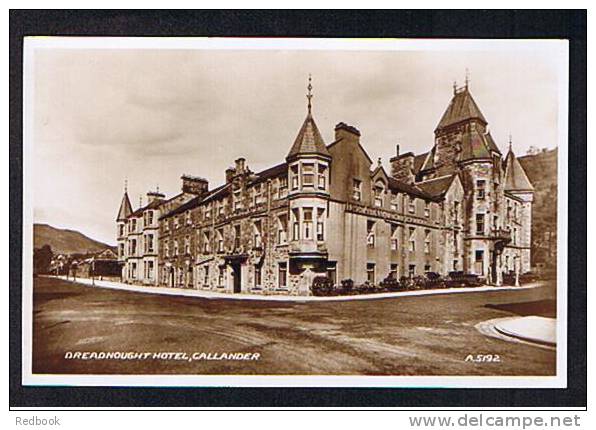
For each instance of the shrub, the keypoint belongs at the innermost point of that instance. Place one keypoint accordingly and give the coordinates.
(347, 286)
(322, 286)
(390, 284)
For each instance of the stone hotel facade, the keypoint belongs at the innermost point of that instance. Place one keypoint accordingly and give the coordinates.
(329, 210)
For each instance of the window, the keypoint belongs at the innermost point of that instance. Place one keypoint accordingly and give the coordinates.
(176, 222)
(455, 242)
(121, 250)
(357, 189)
(282, 229)
(133, 249)
(257, 235)
(120, 230)
(412, 239)
(283, 187)
(322, 177)
(480, 224)
(149, 243)
(220, 208)
(237, 200)
(282, 274)
(378, 191)
(427, 241)
(206, 242)
(370, 234)
(220, 242)
(307, 223)
(308, 175)
(480, 189)
(294, 177)
(427, 268)
(394, 237)
(257, 276)
(455, 212)
(150, 270)
(236, 237)
(296, 225)
(393, 270)
(175, 247)
(320, 225)
(411, 270)
(454, 265)
(188, 218)
(393, 203)
(411, 204)
(133, 225)
(370, 273)
(187, 245)
(208, 211)
(167, 248)
(427, 209)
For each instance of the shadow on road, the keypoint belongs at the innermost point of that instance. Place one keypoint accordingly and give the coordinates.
(543, 308)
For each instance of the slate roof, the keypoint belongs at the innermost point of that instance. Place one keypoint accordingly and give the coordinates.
(309, 140)
(461, 108)
(402, 187)
(153, 205)
(436, 187)
(125, 208)
(515, 175)
(271, 172)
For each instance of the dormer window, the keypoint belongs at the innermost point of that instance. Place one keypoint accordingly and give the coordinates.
(427, 209)
(412, 205)
(308, 175)
(378, 191)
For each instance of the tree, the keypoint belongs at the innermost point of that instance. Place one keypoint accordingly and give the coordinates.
(42, 257)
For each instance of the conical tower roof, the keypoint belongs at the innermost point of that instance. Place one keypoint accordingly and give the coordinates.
(125, 208)
(515, 175)
(462, 107)
(309, 140)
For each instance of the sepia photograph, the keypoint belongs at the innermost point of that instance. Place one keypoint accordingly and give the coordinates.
(295, 212)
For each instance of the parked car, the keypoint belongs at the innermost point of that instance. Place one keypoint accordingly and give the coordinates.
(460, 279)
(434, 280)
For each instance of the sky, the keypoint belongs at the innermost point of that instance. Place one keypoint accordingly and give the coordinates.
(101, 116)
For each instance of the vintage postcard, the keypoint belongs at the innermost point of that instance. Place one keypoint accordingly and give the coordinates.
(295, 212)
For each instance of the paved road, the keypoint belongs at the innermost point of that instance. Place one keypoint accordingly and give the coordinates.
(429, 335)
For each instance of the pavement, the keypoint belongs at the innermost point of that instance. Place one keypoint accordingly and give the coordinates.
(283, 298)
(533, 329)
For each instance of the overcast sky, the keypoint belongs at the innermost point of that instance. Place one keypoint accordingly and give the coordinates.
(151, 115)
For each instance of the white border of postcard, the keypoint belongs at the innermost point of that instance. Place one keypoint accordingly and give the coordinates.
(558, 48)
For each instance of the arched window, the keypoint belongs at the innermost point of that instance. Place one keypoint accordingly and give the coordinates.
(378, 192)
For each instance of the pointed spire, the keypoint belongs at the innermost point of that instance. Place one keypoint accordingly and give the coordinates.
(309, 95)
(516, 178)
(125, 206)
(467, 78)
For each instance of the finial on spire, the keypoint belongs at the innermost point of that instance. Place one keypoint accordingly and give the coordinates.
(141, 200)
(467, 78)
(379, 162)
(309, 95)
(509, 142)
(454, 86)
(125, 185)
(158, 188)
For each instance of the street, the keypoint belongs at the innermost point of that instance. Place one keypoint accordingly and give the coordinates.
(429, 335)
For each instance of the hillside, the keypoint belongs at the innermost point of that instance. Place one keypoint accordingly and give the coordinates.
(63, 241)
(541, 169)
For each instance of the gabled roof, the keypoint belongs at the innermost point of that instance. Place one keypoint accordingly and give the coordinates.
(309, 140)
(125, 208)
(436, 187)
(515, 175)
(461, 108)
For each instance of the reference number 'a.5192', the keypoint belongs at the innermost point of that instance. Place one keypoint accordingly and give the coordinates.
(483, 358)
